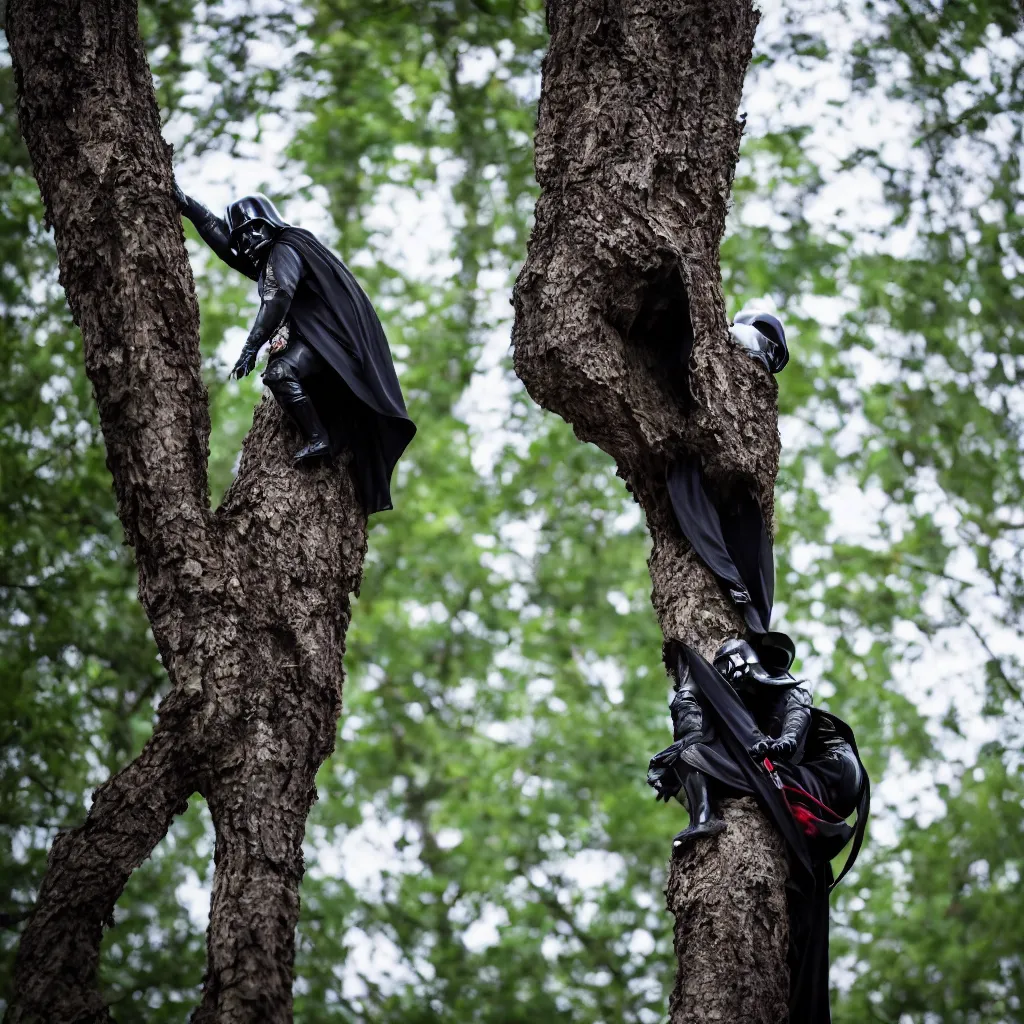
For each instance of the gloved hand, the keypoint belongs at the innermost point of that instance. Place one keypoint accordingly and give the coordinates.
(782, 748)
(662, 773)
(180, 198)
(246, 361)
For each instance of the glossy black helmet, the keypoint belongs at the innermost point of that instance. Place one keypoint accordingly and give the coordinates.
(769, 326)
(253, 223)
(775, 650)
(739, 663)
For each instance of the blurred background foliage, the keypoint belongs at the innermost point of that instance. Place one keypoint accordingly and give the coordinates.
(484, 848)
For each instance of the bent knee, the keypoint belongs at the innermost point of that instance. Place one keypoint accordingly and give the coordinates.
(279, 372)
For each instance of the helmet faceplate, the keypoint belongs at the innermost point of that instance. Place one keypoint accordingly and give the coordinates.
(739, 663)
(771, 345)
(253, 222)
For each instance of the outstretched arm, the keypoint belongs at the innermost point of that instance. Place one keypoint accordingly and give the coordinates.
(214, 232)
(280, 279)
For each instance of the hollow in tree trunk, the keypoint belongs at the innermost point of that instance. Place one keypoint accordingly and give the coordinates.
(621, 329)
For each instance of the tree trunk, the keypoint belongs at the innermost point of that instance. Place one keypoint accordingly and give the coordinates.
(249, 604)
(636, 146)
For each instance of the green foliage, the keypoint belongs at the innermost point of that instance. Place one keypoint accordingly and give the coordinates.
(939, 931)
(484, 848)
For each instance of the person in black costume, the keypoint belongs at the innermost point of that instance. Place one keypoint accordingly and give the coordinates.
(772, 715)
(740, 730)
(330, 366)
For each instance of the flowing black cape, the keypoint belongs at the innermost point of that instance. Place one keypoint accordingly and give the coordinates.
(733, 542)
(810, 878)
(334, 316)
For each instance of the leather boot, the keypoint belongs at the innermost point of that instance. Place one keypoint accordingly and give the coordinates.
(304, 413)
(703, 819)
(293, 399)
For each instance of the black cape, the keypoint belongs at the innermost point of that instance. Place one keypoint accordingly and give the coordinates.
(335, 317)
(725, 757)
(733, 543)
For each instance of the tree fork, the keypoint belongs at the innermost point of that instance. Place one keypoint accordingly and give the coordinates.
(636, 146)
(249, 604)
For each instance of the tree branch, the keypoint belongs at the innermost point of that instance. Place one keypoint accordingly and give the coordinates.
(293, 541)
(709, 894)
(249, 606)
(994, 658)
(89, 116)
(55, 972)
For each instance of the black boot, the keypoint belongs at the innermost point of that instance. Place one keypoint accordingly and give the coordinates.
(304, 413)
(703, 820)
(291, 396)
(283, 377)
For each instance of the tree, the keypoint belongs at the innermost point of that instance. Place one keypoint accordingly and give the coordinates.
(249, 617)
(510, 666)
(637, 142)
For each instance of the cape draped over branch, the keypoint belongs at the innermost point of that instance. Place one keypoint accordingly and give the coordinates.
(249, 605)
(636, 147)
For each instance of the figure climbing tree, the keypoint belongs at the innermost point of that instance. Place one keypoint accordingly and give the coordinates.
(621, 329)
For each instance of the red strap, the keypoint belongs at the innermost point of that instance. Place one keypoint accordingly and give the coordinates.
(772, 773)
(806, 819)
(804, 793)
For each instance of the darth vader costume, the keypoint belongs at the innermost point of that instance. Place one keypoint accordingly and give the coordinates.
(741, 730)
(330, 366)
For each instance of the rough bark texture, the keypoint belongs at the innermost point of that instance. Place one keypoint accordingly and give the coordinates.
(636, 146)
(724, 980)
(249, 605)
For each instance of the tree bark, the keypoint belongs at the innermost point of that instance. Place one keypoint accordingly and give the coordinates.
(249, 604)
(636, 146)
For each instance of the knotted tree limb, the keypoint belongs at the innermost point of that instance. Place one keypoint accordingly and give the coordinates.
(249, 604)
(636, 146)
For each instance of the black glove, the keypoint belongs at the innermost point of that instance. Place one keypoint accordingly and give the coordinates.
(782, 748)
(180, 198)
(663, 772)
(246, 361)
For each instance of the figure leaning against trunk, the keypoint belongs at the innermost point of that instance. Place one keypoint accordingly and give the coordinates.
(745, 726)
(740, 729)
(330, 366)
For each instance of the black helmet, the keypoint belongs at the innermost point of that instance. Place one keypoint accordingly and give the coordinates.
(775, 352)
(739, 663)
(775, 650)
(253, 222)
